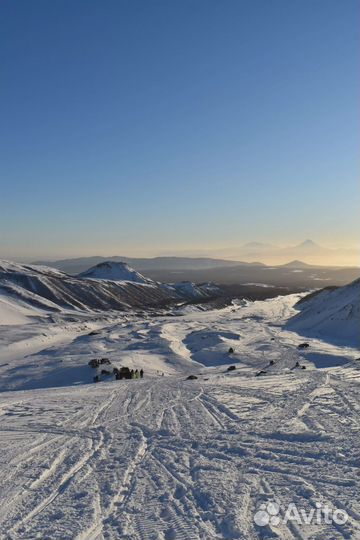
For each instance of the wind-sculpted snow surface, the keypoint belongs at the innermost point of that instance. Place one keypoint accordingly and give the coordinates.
(166, 458)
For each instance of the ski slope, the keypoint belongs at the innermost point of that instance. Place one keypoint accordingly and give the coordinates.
(164, 458)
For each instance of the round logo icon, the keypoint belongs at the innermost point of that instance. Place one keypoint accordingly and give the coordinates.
(267, 514)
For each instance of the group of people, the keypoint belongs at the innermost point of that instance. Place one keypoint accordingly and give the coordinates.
(136, 374)
(127, 373)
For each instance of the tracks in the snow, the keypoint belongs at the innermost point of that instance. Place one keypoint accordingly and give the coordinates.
(62, 483)
(178, 460)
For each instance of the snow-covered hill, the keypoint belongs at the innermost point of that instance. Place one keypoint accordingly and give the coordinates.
(50, 289)
(113, 286)
(14, 312)
(193, 291)
(331, 313)
(115, 271)
(120, 271)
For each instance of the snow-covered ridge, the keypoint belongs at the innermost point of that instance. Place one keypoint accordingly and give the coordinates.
(51, 290)
(13, 267)
(331, 312)
(112, 286)
(192, 290)
(121, 271)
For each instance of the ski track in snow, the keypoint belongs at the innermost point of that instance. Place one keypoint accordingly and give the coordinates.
(170, 459)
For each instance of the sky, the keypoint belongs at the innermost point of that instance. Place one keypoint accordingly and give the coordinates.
(147, 127)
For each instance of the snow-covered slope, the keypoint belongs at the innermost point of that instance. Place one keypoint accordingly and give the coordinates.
(165, 458)
(14, 312)
(194, 291)
(50, 289)
(120, 271)
(330, 313)
(115, 271)
(108, 286)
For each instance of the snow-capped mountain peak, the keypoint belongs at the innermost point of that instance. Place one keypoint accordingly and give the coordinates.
(308, 244)
(114, 271)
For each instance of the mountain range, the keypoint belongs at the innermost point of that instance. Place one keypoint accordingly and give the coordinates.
(249, 254)
(80, 264)
(294, 275)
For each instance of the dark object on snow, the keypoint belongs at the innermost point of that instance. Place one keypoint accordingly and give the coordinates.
(96, 378)
(141, 373)
(231, 350)
(123, 373)
(272, 339)
(303, 345)
(297, 365)
(231, 368)
(303, 367)
(94, 363)
(93, 333)
(115, 370)
(271, 363)
(191, 378)
(261, 372)
(105, 361)
(136, 374)
(105, 372)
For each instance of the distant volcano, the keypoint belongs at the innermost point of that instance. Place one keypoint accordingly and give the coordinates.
(308, 244)
(115, 271)
(297, 264)
(308, 251)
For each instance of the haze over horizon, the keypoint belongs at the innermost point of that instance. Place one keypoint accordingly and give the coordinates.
(307, 251)
(182, 128)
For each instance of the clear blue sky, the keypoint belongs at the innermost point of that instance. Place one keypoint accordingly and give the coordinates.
(132, 127)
